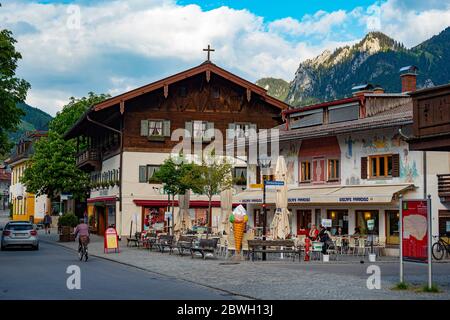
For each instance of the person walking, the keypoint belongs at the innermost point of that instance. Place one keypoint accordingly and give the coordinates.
(325, 238)
(47, 222)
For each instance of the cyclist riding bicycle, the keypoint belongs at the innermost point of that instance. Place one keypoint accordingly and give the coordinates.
(82, 230)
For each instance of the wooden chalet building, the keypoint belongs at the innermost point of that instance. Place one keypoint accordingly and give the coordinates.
(126, 138)
(431, 132)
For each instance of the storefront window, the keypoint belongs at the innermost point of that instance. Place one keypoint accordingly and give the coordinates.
(362, 216)
(339, 219)
(444, 223)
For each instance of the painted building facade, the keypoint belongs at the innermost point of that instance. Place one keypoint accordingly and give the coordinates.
(26, 206)
(349, 161)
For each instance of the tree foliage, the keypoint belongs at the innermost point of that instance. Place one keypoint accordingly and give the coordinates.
(12, 89)
(54, 169)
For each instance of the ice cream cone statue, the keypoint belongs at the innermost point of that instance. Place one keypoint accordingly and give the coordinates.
(239, 218)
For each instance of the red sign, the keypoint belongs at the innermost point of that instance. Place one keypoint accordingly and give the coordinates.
(111, 240)
(415, 230)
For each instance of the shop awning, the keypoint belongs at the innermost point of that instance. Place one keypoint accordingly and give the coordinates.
(383, 193)
(102, 199)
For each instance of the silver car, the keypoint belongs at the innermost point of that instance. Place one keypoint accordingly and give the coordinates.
(19, 233)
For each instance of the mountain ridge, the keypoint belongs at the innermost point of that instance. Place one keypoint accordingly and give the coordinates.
(376, 58)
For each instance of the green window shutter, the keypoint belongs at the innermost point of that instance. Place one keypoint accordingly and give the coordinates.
(166, 128)
(144, 128)
(231, 130)
(142, 174)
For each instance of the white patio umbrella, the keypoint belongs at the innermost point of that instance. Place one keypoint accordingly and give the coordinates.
(183, 219)
(280, 222)
(226, 206)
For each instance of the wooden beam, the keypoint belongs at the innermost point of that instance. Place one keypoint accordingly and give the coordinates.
(166, 91)
(208, 75)
(249, 94)
(122, 107)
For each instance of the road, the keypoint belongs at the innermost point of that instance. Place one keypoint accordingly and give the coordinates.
(27, 274)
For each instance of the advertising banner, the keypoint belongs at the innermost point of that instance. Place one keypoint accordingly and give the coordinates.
(415, 230)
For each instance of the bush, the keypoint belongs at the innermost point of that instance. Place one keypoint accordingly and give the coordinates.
(68, 220)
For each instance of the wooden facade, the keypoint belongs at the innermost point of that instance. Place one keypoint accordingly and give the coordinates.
(205, 93)
(431, 114)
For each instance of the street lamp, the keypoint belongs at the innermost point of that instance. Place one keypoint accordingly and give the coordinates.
(264, 163)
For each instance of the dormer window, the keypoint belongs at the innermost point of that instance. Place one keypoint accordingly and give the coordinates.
(307, 118)
(343, 113)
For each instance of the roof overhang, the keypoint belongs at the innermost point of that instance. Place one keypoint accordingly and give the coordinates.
(205, 67)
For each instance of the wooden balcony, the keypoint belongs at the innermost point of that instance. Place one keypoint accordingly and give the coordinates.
(444, 187)
(88, 160)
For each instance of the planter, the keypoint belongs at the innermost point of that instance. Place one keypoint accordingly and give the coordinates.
(326, 258)
(64, 238)
(372, 257)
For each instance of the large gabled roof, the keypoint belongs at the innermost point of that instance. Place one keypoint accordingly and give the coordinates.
(207, 66)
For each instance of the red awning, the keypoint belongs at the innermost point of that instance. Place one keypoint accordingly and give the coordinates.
(192, 204)
(102, 199)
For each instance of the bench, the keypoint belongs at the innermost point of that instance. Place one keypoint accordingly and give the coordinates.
(165, 241)
(134, 240)
(273, 246)
(205, 246)
(184, 243)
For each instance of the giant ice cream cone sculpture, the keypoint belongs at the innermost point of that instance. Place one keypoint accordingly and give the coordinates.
(238, 218)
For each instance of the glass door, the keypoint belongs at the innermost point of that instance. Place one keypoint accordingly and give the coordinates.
(392, 227)
(303, 221)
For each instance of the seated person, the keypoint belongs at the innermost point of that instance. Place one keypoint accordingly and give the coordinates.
(313, 233)
(339, 232)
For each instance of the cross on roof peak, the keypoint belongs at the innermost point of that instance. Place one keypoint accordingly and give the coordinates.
(209, 50)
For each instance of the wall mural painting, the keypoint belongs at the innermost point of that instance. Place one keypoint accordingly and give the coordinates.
(290, 152)
(408, 169)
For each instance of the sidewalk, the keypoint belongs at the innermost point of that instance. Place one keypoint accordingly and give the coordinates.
(283, 279)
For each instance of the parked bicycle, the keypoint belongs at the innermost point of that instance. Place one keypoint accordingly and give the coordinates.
(440, 248)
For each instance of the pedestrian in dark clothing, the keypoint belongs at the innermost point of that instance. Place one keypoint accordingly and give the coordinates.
(47, 222)
(325, 238)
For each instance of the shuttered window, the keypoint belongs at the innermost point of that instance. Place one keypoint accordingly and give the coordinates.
(155, 128)
(200, 130)
(343, 113)
(384, 166)
(364, 168)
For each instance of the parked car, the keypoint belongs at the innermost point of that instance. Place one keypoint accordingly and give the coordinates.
(19, 233)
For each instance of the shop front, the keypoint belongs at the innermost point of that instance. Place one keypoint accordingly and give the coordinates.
(101, 213)
(348, 207)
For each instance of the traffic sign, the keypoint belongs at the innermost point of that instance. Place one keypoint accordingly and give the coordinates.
(274, 183)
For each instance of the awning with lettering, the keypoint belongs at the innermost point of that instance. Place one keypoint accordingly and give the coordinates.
(379, 193)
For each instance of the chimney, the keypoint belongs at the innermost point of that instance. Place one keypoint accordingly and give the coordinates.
(409, 78)
(362, 89)
(378, 89)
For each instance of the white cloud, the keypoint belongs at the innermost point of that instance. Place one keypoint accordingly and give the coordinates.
(121, 45)
(320, 23)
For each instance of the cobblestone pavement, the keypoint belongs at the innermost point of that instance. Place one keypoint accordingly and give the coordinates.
(279, 279)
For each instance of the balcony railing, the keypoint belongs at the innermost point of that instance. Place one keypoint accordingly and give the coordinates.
(444, 187)
(87, 156)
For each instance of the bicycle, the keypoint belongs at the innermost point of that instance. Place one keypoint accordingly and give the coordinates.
(440, 248)
(83, 249)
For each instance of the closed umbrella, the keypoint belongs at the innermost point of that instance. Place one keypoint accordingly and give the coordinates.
(280, 223)
(226, 206)
(183, 218)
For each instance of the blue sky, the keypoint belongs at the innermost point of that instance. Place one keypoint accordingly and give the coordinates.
(72, 47)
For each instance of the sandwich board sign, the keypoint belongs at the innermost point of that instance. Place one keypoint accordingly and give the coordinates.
(110, 242)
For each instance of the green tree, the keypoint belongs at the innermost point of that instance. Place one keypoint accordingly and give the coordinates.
(54, 169)
(12, 89)
(210, 178)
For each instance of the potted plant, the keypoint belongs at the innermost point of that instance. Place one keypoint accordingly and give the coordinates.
(67, 222)
(117, 182)
(112, 183)
(240, 181)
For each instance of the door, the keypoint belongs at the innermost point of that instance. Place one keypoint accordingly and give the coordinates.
(303, 221)
(392, 230)
(101, 220)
